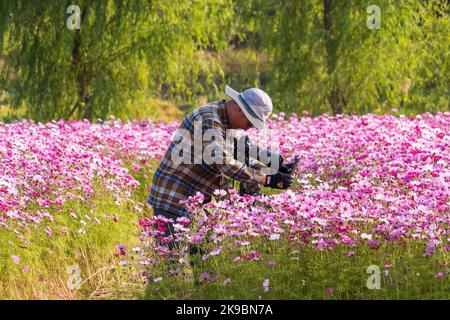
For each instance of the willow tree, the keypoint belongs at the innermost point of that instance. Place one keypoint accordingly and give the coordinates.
(122, 50)
(330, 55)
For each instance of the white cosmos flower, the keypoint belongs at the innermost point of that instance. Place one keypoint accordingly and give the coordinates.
(274, 236)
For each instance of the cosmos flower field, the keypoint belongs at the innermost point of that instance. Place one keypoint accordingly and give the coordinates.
(370, 190)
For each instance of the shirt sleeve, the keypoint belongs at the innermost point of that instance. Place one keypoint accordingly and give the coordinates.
(218, 147)
(258, 157)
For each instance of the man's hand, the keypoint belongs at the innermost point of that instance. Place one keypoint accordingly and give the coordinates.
(279, 181)
(288, 168)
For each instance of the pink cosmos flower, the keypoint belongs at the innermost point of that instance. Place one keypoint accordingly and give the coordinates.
(216, 251)
(439, 275)
(213, 278)
(48, 231)
(253, 256)
(266, 285)
(173, 272)
(15, 259)
(271, 263)
(122, 250)
(204, 276)
(226, 282)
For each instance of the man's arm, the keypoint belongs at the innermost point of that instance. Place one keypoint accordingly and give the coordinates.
(215, 144)
(255, 156)
(241, 172)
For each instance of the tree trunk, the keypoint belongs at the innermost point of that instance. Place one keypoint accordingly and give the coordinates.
(83, 79)
(335, 99)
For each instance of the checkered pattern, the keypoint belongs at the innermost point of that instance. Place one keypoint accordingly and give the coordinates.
(173, 182)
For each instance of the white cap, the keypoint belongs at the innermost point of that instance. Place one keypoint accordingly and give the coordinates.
(255, 103)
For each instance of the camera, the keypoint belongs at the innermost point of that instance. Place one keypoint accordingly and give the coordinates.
(254, 162)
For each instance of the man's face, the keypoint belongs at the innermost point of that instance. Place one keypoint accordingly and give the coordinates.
(237, 118)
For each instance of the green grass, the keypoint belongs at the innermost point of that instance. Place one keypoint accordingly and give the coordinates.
(308, 274)
(49, 258)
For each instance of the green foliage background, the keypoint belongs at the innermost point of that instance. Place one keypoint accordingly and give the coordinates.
(315, 55)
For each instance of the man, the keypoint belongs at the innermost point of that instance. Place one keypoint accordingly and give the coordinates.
(185, 170)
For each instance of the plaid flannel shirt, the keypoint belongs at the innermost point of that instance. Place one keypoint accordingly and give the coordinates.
(173, 182)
